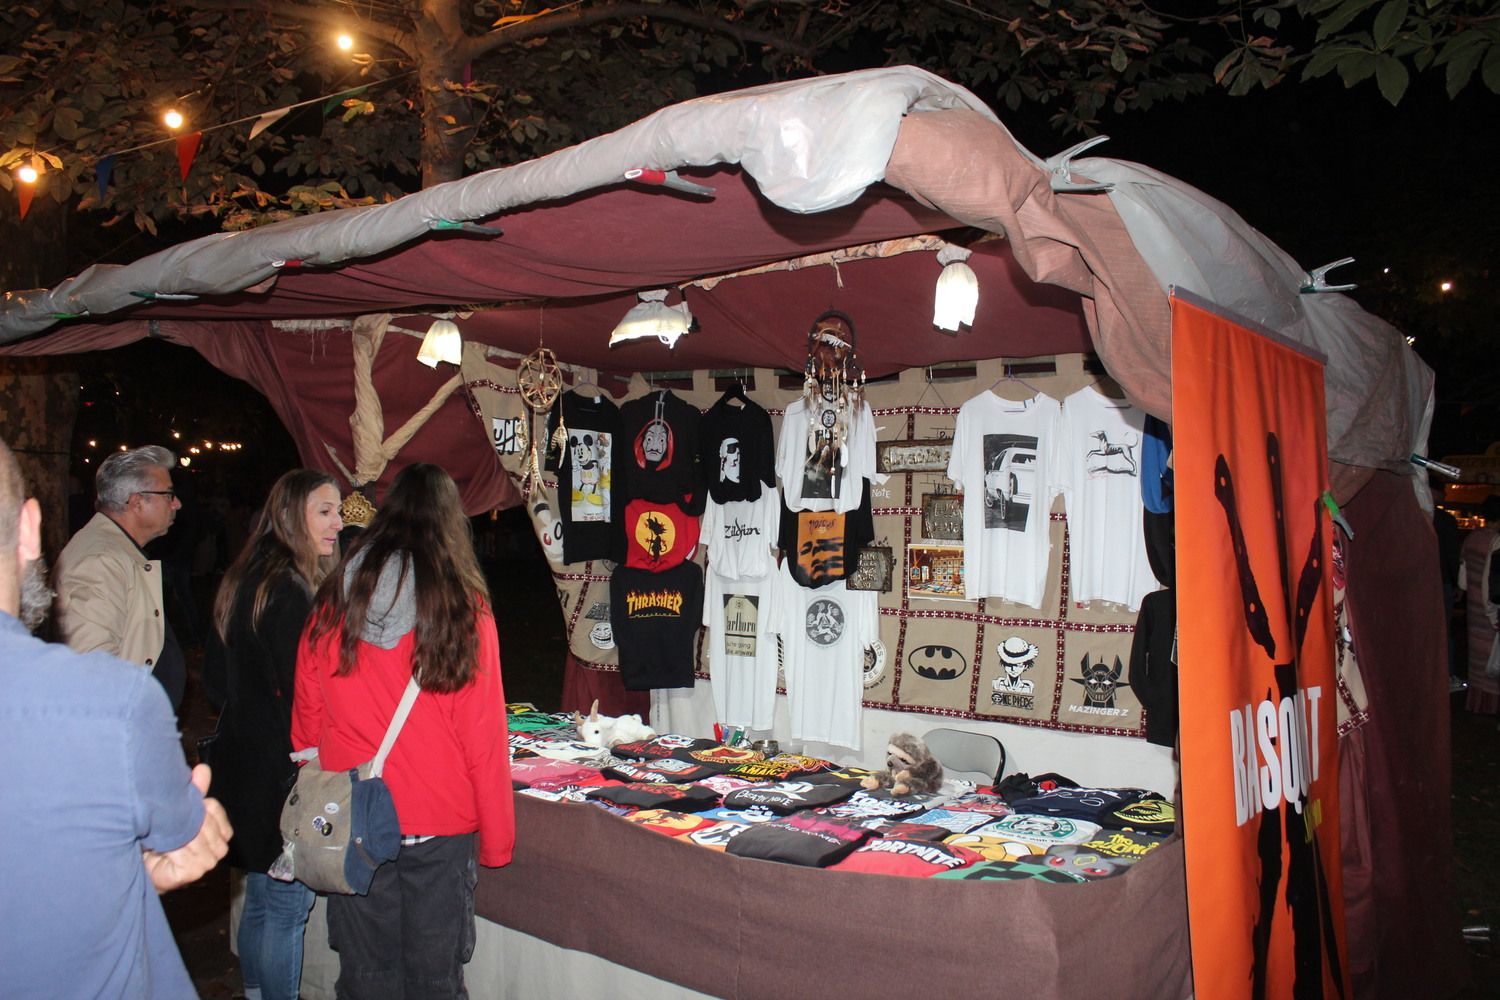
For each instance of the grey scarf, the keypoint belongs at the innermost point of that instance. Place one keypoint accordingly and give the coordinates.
(393, 604)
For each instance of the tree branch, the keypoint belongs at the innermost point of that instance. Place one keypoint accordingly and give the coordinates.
(386, 34)
(574, 17)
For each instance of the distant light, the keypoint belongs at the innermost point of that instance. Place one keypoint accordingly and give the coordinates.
(177, 435)
(173, 119)
(1385, 270)
(345, 41)
(28, 175)
(123, 448)
(85, 461)
(1445, 286)
(184, 461)
(209, 445)
(193, 451)
(1410, 340)
(93, 443)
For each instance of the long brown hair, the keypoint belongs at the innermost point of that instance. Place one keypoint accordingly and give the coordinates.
(420, 522)
(279, 545)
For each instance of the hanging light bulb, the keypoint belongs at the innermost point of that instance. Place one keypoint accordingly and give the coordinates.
(173, 119)
(345, 41)
(442, 343)
(652, 317)
(957, 293)
(27, 174)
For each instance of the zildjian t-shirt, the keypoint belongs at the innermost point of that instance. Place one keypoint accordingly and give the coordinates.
(656, 617)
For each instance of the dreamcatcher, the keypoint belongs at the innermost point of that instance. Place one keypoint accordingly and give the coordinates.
(832, 391)
(539, 379)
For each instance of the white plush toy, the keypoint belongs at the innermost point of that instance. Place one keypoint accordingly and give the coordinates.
(605, 731)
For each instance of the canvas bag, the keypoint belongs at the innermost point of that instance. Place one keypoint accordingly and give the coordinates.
(338, 827)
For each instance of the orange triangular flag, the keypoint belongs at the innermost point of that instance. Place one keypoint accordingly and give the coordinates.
(24, 192)
(187, 149)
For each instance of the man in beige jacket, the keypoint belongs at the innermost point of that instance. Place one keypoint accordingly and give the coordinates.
(109, 593)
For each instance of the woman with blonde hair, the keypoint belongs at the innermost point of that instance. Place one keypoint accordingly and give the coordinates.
(410, 602)
(261, 608)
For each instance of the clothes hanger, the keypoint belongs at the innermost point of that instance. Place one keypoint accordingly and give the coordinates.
(1010, 376)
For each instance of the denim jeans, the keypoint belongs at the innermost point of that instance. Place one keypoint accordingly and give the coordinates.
(270, 936)
(411, 935)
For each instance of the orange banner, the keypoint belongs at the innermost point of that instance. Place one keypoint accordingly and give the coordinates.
(1255, 650)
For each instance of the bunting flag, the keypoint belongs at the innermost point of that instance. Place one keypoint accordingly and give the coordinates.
(187, 149)
(1260, 766)
(24, 192)
(268, 119)
(103, 171)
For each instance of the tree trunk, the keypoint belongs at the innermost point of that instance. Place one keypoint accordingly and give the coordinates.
(38, 405)
(442, 47)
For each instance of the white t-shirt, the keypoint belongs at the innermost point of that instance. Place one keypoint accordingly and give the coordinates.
(741, 649)
(824, 633)
(825, 478)
(1004, 459)
(740, 535)
(1100, 451)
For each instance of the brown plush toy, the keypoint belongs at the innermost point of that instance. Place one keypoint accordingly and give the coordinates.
(910, 768)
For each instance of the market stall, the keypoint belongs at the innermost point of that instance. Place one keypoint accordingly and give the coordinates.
(764, 209)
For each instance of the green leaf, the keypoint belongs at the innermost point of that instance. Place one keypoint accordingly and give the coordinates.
(1461, 66)
(1391, 76)
(1356, 67)
(1341, 18)
(1118, 60)
(1491, 72)
(1389, 21)
(65, 122)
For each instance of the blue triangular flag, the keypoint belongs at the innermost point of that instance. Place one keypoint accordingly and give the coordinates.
(102, 171)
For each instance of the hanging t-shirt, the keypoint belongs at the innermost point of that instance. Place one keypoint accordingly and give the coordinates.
(587, 494)
(740, 535)
(1100, 476)
(741, 649)
(656, 452)
(823, 546)
(658, 536)
(824, 633)
(1004, 460)
(816, 473)
(656, 617)
(736, 452)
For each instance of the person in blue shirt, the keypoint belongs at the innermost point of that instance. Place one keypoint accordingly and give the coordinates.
(98, 808)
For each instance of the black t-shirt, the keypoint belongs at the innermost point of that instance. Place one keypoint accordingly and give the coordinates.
(656, 453)
(822, 547)
(656, 617)
(800, 839)
(589, 502)
(736, 450)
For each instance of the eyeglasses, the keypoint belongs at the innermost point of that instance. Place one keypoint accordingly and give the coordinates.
(169, 494)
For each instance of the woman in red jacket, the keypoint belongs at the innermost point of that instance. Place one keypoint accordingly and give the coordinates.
(410, 601)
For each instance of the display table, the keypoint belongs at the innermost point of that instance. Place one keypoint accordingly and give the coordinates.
(681, 918)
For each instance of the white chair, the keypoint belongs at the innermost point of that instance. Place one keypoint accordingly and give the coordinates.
(974, 756)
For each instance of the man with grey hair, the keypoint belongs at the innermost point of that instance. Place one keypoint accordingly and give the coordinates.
(99, 810)
(109, 592)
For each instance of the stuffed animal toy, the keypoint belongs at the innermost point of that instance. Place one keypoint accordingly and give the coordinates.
(605, 731)
(910, 768)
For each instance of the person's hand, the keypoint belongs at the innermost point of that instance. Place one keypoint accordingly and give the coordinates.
(191, 861)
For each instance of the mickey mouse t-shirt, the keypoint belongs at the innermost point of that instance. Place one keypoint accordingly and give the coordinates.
(588, 498)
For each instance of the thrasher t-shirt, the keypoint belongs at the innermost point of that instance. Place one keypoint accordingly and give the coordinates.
(647, 795)
(741, 649)
(1004, 460)
(1100, 476)
(656, 453)
(817, 474)
(823, 546)
(658, 536)
(587, 498)
(656, 618)
(800, 839)
(736, 451)
(740, 535)
(824, 633)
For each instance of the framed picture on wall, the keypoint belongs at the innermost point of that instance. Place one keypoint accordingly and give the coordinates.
(943, 516)
(935, 571)
(930, 455)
